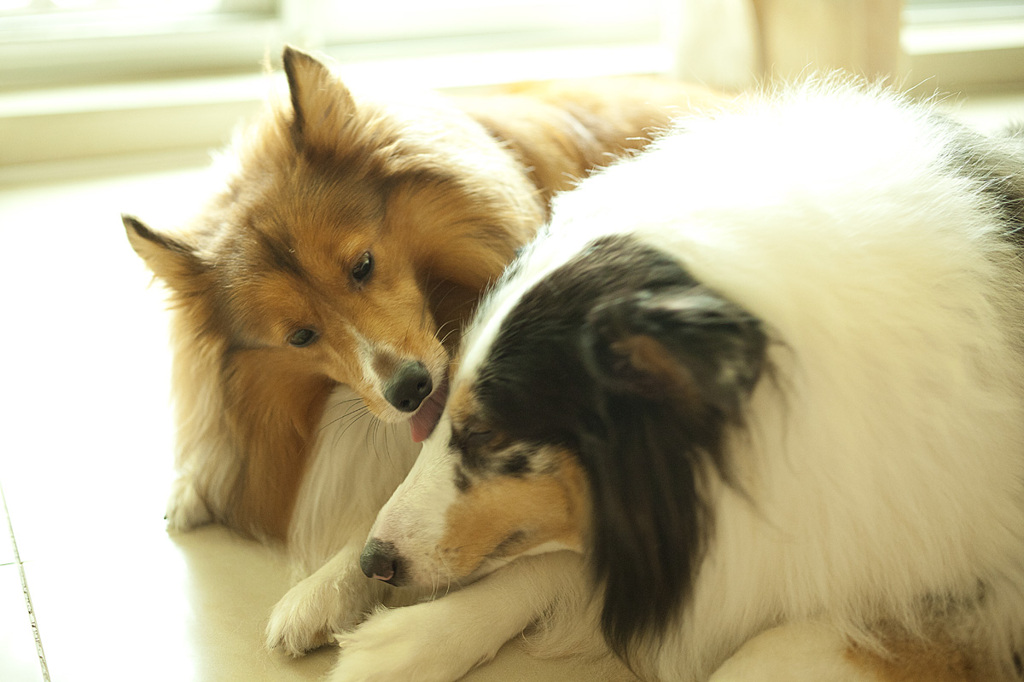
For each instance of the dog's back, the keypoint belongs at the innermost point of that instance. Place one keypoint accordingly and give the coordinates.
(880, 463)
(562, 130)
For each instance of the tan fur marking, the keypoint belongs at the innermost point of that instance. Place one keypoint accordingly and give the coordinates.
(651, 359)
(917, 661)
(507, 516)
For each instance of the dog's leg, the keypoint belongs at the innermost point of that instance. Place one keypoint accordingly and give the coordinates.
(811, 652)
(185, 507)
(802, 652)
(334, 598)
(442, 640)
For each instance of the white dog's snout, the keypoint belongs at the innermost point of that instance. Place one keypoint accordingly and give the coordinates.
(411, 524)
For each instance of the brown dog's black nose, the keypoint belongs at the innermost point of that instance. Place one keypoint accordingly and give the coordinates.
(381, 561)
(410, 385)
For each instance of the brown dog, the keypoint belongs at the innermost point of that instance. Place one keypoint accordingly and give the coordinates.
(332, 274)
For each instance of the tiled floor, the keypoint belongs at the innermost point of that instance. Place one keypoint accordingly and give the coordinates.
(85, 464)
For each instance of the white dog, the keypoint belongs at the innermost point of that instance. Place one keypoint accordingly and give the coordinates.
(766, 381)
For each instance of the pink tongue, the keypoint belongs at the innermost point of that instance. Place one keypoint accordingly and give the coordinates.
(426, 418)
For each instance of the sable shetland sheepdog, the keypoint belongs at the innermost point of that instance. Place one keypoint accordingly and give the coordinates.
(767, 379)
(317, 297)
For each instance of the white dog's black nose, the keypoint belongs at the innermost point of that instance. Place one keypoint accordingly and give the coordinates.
(410, 385)
(381, 561)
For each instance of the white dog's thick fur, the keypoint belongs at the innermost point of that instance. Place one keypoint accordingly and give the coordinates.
(876, 499)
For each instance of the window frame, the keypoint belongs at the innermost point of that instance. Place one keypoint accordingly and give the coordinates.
(72, 100)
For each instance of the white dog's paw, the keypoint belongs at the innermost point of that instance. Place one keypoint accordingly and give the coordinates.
(185, 508)
(310, 614)
(413, 643)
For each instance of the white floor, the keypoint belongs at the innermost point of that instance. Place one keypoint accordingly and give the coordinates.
(91, 585)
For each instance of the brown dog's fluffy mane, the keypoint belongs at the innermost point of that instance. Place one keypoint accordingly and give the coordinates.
(448, 189)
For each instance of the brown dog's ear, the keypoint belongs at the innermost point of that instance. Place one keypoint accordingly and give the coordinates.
(170, 259)
(322, 105)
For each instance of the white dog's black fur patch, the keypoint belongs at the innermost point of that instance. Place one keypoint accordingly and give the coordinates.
(554, 377)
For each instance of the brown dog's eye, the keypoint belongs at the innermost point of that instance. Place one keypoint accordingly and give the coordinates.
(302, 338)
(363, 268)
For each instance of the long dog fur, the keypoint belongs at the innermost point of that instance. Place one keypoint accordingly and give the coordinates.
(285, 334)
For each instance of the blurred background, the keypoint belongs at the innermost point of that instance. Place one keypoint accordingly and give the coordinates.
(110, 106)
(84, 80)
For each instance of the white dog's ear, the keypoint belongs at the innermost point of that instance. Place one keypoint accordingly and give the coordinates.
(671, 369)
(169, 258)
(322, 105)
(688, 345)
